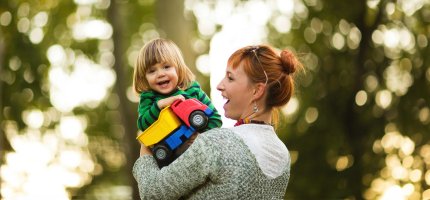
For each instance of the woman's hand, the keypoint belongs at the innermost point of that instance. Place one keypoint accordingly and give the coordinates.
(181, 149)
(144, 150)
(192, 138)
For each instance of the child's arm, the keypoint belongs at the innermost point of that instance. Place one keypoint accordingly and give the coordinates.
(162, 103)
(149, 108)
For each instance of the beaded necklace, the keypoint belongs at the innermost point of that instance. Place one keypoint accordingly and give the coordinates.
(250, 121)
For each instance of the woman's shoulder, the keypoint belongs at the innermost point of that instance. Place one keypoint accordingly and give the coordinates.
(218, 133)
(217, 137)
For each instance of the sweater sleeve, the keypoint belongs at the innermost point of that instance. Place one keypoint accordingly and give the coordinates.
(196, 91)
(179, 178)
(148, 110)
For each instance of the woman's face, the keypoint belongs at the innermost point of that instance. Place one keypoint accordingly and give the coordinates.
(236, 88)
(162, 78)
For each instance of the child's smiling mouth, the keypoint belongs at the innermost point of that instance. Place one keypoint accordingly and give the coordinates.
(163, 83)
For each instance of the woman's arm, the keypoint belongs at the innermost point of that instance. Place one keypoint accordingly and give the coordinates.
(179, 178)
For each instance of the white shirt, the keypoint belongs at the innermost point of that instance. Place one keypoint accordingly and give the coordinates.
(270, 152)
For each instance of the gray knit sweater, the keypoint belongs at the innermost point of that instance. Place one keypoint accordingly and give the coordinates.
(218, 165)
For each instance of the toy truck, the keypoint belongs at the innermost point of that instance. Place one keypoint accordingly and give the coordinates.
(175, 124)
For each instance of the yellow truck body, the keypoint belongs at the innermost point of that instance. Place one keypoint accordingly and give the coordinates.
(166, 123)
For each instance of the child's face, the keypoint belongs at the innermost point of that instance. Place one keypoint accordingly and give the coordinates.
(162, 78)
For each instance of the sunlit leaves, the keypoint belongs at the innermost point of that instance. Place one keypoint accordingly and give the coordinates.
(72, 79)
(361, 98)
(92, 29)
(5, 18)
(398, 77)
(403, 171)
(43, 165)
(48, 76)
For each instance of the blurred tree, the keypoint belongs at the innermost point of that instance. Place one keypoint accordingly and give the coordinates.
(173, 23)
(84, 43)
(360, 130)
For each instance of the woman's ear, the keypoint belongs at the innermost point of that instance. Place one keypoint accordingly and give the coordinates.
(259, 91)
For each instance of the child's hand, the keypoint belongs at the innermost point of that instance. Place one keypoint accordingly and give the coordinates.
(144, 150)
(167, 101)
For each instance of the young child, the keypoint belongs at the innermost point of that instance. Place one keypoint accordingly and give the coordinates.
(161, 77)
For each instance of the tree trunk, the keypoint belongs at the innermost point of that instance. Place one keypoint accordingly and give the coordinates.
(2, 136)
(128, 118)
(358, 132)
(171, 20)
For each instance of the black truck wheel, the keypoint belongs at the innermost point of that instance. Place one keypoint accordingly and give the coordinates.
(198, 120)
(161, 152)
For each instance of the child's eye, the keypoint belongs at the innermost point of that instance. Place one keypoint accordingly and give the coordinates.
(166, 66)
(150, 71)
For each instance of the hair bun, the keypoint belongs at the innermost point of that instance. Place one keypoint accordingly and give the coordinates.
(288, 61)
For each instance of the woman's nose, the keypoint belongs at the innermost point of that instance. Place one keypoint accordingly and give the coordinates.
(220, 87)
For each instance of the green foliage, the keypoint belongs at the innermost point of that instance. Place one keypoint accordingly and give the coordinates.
(25, 82)
(344, 129)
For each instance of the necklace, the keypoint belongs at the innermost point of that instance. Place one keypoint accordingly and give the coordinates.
(250, 121)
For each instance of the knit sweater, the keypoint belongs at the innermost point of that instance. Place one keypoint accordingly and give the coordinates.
(149, 110)
(218, 165)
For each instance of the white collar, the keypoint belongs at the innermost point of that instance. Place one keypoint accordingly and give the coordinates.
(270, 152)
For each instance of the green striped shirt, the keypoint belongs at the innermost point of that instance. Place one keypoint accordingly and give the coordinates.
(149, 110)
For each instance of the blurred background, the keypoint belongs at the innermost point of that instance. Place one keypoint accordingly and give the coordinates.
(358, 126)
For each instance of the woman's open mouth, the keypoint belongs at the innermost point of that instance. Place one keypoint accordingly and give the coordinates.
(226, 100)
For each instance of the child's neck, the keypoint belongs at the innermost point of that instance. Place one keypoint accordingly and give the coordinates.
(168, 94)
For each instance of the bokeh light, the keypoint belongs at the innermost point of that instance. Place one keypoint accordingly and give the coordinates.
(51, 156)
(402, 174)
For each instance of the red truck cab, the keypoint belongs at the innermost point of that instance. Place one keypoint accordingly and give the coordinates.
(192, 112)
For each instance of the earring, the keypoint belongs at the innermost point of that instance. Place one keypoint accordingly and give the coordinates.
(255, 107)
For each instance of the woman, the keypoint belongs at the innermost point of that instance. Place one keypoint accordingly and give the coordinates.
(247, 161)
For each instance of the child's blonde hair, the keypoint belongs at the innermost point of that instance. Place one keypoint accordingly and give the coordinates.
(160, 51)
